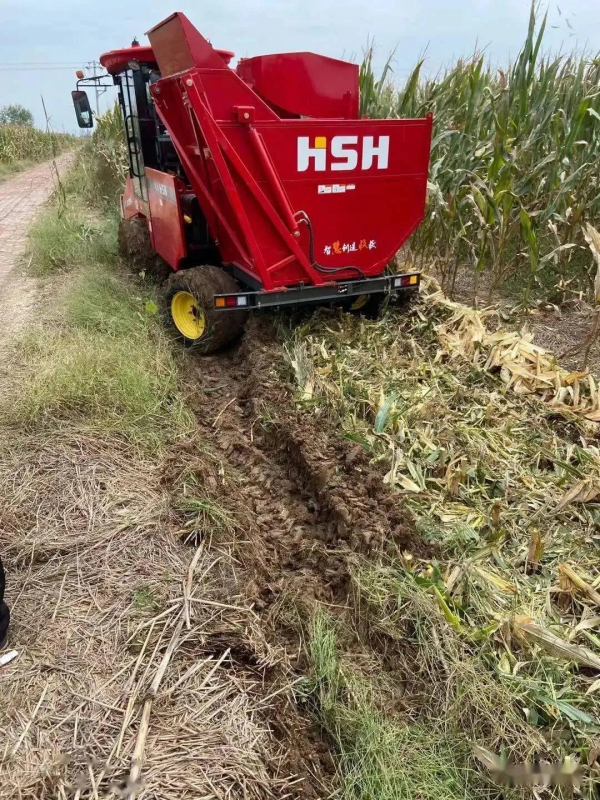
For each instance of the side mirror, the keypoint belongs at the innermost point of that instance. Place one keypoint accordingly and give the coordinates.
(82, 109)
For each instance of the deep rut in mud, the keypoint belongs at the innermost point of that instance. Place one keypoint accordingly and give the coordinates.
(313, 498)
(306, 502)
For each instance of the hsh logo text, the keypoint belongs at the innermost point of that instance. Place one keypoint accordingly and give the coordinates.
(343, 153)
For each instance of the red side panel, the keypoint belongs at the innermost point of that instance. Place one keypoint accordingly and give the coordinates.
(131, 204)
(360, 215)
(166, 221)
(304, 84)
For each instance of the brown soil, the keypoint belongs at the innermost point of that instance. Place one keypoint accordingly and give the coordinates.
(314, 499)
(136, 249)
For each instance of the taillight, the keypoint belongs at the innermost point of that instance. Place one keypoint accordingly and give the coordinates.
(232, 301)
(406, 280)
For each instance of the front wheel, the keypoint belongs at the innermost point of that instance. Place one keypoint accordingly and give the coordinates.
(190, 306)
(135, 248)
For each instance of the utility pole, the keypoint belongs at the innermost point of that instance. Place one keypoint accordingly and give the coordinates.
(94, 65)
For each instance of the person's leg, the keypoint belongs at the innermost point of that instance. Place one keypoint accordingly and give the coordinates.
(4, 612)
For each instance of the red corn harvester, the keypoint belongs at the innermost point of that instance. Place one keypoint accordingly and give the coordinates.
(259, 186)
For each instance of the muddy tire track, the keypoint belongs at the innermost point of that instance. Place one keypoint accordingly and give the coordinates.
(314, 499)
(307, 503)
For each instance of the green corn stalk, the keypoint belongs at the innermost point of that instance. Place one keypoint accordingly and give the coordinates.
(514, 158)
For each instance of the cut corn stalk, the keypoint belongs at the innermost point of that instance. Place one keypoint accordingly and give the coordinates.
(569, 573)
(528, 631)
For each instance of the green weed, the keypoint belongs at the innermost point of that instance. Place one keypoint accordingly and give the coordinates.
(103, 302)
(114, 383)
(144, 597)
(67, 238)
(205, 517)
(381, 755)
(106, 361)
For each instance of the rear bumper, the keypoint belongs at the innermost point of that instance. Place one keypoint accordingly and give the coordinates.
(333, 292)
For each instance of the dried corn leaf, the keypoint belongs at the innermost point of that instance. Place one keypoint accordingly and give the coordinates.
(489, 760)
(506, 587)
(407, 484)
(587, 624)
(594, 687)
(592, 237)
(525, 367)
(582, 492)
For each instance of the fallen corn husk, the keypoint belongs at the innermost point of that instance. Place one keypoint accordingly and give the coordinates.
(527, 630)
(568, 572)
(525, 367)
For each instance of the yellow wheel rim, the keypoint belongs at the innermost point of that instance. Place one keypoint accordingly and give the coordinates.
(187, 315)
(359, 302)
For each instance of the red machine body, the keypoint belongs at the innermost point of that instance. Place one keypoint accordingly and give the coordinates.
(296, 190)
(303, 84)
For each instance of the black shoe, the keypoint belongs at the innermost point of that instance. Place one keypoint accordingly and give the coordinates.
(4, 622)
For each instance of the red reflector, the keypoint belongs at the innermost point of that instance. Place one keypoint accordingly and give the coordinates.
(405, 281)
(230, 301)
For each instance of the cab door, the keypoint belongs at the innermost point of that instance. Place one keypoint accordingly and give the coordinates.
(129, 105)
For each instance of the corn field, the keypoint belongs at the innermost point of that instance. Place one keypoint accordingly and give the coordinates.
(514, 166)
(23, 143)
(103, 164)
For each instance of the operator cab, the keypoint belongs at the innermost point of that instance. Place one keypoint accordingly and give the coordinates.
(134, 70)
(151, 152)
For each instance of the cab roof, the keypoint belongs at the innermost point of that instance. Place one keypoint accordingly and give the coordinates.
(115, 61)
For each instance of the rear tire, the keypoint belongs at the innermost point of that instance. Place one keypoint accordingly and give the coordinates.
(374, 304)
(366, 305)
(189, 300)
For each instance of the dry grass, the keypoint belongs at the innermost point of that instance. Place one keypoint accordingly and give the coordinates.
(99, 586)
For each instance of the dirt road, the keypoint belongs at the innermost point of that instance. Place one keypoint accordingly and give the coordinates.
(20, 200)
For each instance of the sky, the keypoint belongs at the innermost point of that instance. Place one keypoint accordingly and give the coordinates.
(42, 42)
